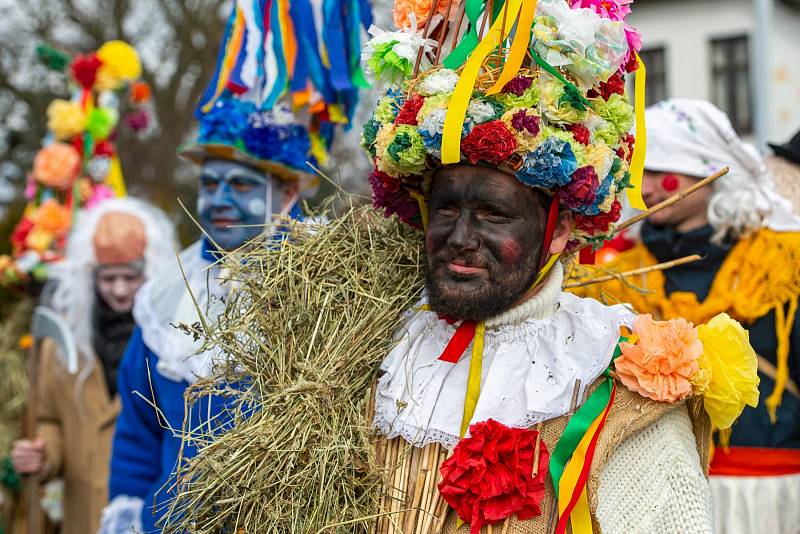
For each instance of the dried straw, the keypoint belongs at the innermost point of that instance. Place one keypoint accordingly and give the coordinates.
(306, 333)
(13, 376)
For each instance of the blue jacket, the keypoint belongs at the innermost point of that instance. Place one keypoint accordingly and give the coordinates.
(145, 450)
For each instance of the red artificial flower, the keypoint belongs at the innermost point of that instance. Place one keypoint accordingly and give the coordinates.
(600, 223)
(140, 93)
(20, 234)
(408, 113)
(84, 69)
(615, 84)
(625, 150)
(104, 148)
(581, 189)
(632, 64)
(490, 142)
(490, 475)
(580, 133)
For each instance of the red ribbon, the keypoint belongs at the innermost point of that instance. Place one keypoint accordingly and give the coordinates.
(463, 336)
(587, 255)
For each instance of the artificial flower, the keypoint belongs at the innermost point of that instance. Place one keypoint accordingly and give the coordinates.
(614, 85)
(225, 121)
(391, 56)
(120, 65)
(388, 106)
(137, 120)
(521, 121)
(580, 133)
(408, 112)
(599, 223)
(98, 168)
(52, 217)
(555, 107)
(434, 103)
(599, 156)
(403, 151)
(21, 230)
(368, 134)
(438, 82)
(65, 119)
(616, 111)
(480, 111)
(56, 165)
(661, 363)
(389, 196)
(730, 369)
(84, 69)
(38, 240)
(608, 9)
(490, 142)
(518, 85)
(140, 93)
(411, 13)
(489, 476)
(529, 98)
(581, 190)
(99, 193)
(549, 166)
(104, 148)
(101, 122)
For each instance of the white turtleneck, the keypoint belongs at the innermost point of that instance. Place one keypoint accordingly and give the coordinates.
(533, 354)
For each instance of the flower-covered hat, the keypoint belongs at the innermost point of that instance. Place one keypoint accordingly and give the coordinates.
(537, 90)
(78, 166)
(272, 63)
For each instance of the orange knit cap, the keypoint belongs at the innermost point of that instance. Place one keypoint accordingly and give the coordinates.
(120, 238)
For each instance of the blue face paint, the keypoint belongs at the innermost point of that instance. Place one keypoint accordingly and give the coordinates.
(234, 202)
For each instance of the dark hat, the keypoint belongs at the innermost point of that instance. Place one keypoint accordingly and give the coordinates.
(790, 150)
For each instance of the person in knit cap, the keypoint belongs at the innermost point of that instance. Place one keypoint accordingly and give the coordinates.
(784, 165)
(113, 249)
(749, 238)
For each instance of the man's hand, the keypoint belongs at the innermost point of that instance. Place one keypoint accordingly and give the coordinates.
(28, 456)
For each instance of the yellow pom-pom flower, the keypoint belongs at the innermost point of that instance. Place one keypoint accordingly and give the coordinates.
(729, 370)
(65, 119)
(120, 64)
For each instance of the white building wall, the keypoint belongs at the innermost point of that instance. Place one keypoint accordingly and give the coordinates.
(686, 27)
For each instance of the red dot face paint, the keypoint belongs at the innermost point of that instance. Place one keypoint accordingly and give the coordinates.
(670, 183)
(510, 250)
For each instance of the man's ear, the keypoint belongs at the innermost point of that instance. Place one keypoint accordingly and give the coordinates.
(561, 235)
(289, 192)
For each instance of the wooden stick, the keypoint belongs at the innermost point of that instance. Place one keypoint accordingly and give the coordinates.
(32, 482)
(672, 200)
(461, 11)
(505, 525)
(487, 14)
(502, 34)
(434, 7)
(443, 33)
(642, 270)
(536, 449)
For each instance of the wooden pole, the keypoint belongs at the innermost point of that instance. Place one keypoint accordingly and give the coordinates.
(642, 270)
(32, 482)
(434, 7)
(672, 200)
(443, 33)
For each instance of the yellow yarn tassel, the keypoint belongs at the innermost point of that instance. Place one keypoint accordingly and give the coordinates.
(783, 329)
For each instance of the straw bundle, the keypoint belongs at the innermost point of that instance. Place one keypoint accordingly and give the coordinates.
(13, 374)
(306, 332)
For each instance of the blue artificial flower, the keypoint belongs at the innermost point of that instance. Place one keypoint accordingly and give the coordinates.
(549, 166)
(283, 143)
(225, 122)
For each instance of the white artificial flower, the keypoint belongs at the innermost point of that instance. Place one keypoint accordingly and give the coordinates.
(480, 112)
(441, 82)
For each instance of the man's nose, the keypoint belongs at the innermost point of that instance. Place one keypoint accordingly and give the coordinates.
(120, 288)
(464, 234)
(222, 196)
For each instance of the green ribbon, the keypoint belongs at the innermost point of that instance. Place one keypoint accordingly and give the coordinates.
(470, 40)
(572, 95)
(576, 428)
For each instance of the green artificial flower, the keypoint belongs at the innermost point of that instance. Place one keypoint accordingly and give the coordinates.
(557, 106)
(386, 110)
(386, 64)
(528, 99)
(618, 112)
(368, 134)
(407, 150)
(578, 149)
(101, 122)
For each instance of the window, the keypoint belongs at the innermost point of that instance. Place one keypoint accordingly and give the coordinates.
(730, 80)
(655, 61)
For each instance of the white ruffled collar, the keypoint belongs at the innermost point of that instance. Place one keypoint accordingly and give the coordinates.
(533, 354)
(168, 300)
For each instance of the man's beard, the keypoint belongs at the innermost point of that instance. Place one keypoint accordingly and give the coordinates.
(500, 292)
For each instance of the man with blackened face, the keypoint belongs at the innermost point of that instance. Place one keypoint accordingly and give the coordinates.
(485, 239)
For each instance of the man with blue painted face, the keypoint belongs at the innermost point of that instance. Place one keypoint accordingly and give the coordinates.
(243, 188)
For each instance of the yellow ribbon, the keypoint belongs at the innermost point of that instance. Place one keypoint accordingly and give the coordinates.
(516, 54)
(454, 120)
(640, 148)
(114, 179)
(474, 380)
(423, 207)
(783, 329)
(580, 518)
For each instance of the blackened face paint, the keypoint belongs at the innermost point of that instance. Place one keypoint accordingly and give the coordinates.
(483, 241)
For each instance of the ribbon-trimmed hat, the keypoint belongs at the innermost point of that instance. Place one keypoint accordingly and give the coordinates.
(537, 89)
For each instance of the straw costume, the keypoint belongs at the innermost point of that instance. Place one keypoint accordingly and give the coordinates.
(470, 418)
(77, 408)
(253, 153)
(751, 247)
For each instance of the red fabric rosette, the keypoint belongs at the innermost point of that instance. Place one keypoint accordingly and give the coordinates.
(490, 475)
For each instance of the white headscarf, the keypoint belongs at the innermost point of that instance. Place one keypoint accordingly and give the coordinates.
(73, 278)
(694, 138)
